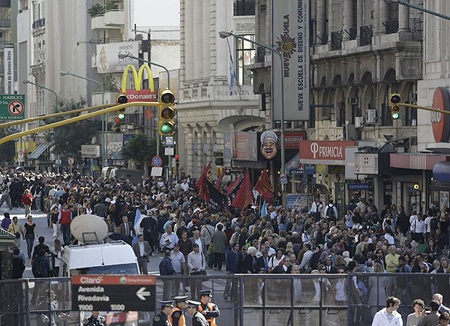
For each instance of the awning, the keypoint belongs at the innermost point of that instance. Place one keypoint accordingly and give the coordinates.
(7, 239)
(39, 150)
(416, 161)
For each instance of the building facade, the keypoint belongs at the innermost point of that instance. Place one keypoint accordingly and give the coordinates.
(216, 94)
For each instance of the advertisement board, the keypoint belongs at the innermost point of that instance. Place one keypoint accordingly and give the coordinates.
(323, 152)
(108, 60)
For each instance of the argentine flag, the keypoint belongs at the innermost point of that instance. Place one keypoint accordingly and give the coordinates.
(137, 222)
(264, 209)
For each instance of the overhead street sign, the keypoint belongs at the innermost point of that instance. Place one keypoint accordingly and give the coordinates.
(113, 292)
(12, 107)
(156, 161)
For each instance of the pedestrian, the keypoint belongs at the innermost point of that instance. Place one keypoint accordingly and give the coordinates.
(162, 319)
(41, 245)
(6, 194)
(18, 265)
(444, 319)
(31, 232)
(233, 265)
(177, 315)
(127, 229)
(208, 309)
(418, 314)
(95, 319)
(166, 269)
(192, 309)
(57, 253)
(432, 318)
(168, 239)
(179, 267)
(40, 269)
(65, 218)
(219, 241)
(142, 250)
(197, 266)
(389, 316)
(27, 201)
(54, 219)
(6, 221)
(16, 229)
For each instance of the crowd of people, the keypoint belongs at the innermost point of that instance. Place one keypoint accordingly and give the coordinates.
(195, 237)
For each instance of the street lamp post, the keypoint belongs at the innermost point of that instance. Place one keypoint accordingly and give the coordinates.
(225, 34)
(43, 87)
(67, 73)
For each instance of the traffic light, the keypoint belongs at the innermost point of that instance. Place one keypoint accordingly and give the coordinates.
(394, 100)
(166, 113)
(122, 99)
(219, 158)
(117, 123)
(177, 159)
(121, 114)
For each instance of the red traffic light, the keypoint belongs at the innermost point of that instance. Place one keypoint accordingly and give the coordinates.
(177, 157)
(117, 119)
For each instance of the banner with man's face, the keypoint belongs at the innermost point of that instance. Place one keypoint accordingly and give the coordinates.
(268, 147)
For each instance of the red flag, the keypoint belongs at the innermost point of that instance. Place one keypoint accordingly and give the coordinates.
(201, 185)
(244, 195)
(264, 186)
(234, 184)
(219, 180)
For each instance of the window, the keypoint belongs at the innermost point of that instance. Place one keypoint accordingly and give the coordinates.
(245, 54)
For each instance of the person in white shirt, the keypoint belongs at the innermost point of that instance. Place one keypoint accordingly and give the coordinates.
(388, 316)
(185, 185)
(428, 227)
(168, 239)
(418, 229)
(306, 256)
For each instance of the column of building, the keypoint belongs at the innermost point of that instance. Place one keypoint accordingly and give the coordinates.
(403, 18)
(320, 21)
(359, 17)
(347, 18)
(189, 37)
(330, 19)
(198, 39)
(189, 151)
(206, 39)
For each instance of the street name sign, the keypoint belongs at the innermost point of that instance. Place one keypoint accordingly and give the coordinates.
(113, 292)
(12, 107)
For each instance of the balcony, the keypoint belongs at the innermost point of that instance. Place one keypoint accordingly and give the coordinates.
(391, 26)
(113, 19)
(366, 33)
(40, 23)
(336, 41)
(244, 7)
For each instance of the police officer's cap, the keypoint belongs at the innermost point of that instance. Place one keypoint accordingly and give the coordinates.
(193, 304)
(180, 299)
(165, 304)
(206, 293)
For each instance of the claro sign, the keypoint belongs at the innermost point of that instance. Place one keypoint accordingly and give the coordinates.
(323, 152)
(441, 122)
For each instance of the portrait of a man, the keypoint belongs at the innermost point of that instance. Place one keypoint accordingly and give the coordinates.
(269, 142)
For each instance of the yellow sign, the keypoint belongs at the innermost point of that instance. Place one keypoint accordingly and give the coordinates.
(138, 77)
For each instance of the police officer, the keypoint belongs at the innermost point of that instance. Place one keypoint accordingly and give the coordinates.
(197, 318)
(177, 316)
(207, 308)
(162, 319)
(95, 319)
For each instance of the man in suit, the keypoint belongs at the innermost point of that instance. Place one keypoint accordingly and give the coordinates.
(284, 268)
(439, 298)
(142, 250)
(127, 229)
(197, 239)
(432, 318)
(330, 269)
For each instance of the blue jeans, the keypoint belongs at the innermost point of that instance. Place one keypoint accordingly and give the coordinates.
(65, 230)
(29, 241)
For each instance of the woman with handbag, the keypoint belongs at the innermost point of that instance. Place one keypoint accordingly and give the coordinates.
(30, 233)
(16, 229)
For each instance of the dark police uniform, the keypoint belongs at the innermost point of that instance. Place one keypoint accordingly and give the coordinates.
(162, 319)
(92, 321)
(199, 320)
(211, 310)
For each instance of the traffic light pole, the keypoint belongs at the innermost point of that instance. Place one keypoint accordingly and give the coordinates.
(428, 11)
(426, 108)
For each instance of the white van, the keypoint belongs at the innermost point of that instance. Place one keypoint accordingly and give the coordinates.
(115, 257)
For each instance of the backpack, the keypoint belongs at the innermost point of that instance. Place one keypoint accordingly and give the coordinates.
(330, 213)
(434, 223)
(40, 267)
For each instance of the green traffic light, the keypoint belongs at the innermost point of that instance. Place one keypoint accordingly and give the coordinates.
(395, 115)
(166, 128)
(121, 116)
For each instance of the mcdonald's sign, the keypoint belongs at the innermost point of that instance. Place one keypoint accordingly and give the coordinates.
(138, 94)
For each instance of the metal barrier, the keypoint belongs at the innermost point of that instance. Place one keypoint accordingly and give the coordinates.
(251, 299)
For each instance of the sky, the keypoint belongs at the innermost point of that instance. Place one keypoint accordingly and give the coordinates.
(157, 12)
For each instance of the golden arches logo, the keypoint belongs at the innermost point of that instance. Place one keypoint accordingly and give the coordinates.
(138, 77)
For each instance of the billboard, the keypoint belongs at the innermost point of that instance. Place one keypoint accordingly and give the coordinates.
(108, 60)
(323, 152)
(244, 146)
(290, 35)
(9, 70)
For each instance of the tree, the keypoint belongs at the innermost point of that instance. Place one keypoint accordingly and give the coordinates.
(6, 149)
(96, 10)
(140, 149)
(69, 138)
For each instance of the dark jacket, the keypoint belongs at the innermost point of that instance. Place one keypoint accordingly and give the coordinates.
(234, 262)
(248, 266)
(17, 267)
(165, 267)
(41, 267)
(38, 248)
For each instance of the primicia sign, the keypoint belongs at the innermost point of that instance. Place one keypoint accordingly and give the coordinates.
(323, 152)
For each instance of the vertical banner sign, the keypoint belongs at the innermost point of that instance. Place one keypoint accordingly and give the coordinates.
(9, 70)
(290, 35)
